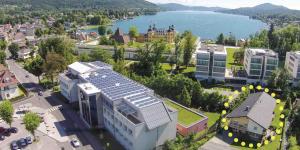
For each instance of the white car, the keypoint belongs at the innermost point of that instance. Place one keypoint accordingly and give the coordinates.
(75, 142)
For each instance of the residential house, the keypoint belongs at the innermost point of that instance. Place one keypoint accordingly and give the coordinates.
(19, 38)
(254, 116)
(292, 64)
(25, 53)
(128, 110)
(154, 33)
(259, 64)
(8, 84)
(210, 62)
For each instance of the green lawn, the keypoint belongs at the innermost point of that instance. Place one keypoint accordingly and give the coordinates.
(212, 118)
(185, 117)
(90, 27)
(276, 119)
(230, 60)
(167, 67)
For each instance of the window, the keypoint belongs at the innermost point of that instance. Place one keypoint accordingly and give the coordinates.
(130, 131)
(255, 72)
(271, 67)
(219, 64)
(255, 66)
(255, 128)
(256, 60)
(272, 61)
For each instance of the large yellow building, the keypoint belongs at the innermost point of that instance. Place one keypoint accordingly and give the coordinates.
(154, 33)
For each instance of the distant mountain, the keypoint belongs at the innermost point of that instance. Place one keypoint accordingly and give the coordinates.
(179, 7)
(113, 4)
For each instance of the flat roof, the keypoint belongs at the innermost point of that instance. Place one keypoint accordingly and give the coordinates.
(186, 117)
(79, 67)
(262, 52)
(218, 49)
(88, 88)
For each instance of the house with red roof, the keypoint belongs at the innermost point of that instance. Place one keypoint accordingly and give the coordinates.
(8, 84)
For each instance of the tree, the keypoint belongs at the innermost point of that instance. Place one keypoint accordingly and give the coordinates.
(54, 64)
(230, 40)
(185, 97)
(3, 45)
(35, 67)
(84, 57)
(118, 53)
(221, 39)
(2, 57)
(158, 48)
(61, 45)
(6, 111)
(32, 122)
(238, 56)
(14, 48)
(58, 27)
(38, 32)
(102, 30)
(197, 95)
(100, 55)
(279, 79)
(189, 46)
(109, 31)
(133, 32)
(178, 50)
(271, 37)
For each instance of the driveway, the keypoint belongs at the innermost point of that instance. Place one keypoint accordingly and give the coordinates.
(216, 144)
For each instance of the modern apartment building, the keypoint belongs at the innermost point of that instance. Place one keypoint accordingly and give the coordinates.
(211, 62)
(292, 63)
(259, 64)
(129, 111)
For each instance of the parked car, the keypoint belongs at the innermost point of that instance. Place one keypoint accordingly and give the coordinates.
(75, 142)
(13, 130)
(28, 140)
(6, 132)
(27, 76)
(40, 93)
(22, 142)
(14, 145)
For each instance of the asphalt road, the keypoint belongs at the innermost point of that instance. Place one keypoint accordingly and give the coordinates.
(68, 118)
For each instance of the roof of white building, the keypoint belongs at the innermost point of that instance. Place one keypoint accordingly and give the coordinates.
(88, 88)
(79, 67)
(262, 52)
(206, 48)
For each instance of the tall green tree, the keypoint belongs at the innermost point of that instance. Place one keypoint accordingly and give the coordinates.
(38, 32)
(185, 97)
(271, 37)
(102, 30)
(133, 32)
(35, 67)
(84, 57)
(13, 49)
(6, 112)
(119, 53)
(178, 50)
(221, 39)
(2, 57)
(189, 46)
(54, 64)
(32, 122)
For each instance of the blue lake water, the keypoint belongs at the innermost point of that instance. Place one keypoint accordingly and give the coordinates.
(206, 24)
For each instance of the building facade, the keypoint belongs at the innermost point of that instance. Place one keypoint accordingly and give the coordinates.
(292, 64)
(210, 62)
(259, 64)
(8, 84)
(154, 33)
(129, 111)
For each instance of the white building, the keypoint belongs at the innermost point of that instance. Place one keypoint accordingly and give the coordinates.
(259, 64)
(211, 62)
(128, 110)
(8, 84)
(25, 53)
(292, 63)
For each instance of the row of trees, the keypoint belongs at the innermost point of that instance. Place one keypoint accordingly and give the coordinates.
(226, 40)
(31, 120)
(3, 46)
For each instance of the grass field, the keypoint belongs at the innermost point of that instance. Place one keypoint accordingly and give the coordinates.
(185, 117)
(212, 118)
(230, 60)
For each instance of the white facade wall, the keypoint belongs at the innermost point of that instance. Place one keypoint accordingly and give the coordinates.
(10, 92)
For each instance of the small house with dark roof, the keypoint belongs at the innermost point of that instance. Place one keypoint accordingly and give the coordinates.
(254, 116)
(8, 84)
(120, 37)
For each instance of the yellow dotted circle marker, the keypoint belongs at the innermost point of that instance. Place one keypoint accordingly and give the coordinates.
(226, 104)
(251, 87)
(282, 116)
(278, 101)
(266, 142)
(250, 145)
(273, 94)
(278, 131)
(235, 140)
(230, 134)
(243, 143)
(224, 120)
(281, 108)
(258, 87)
(225, 128)
(224, 112)
(236, 92)
(258, 145)
(230, 98)
(266, 90)
(273, 138)
(281, 124)
(243, 89)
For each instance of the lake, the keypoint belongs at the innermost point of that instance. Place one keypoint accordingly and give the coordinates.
(206, 24)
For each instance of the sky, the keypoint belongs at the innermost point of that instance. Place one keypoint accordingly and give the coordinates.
(292, 4)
